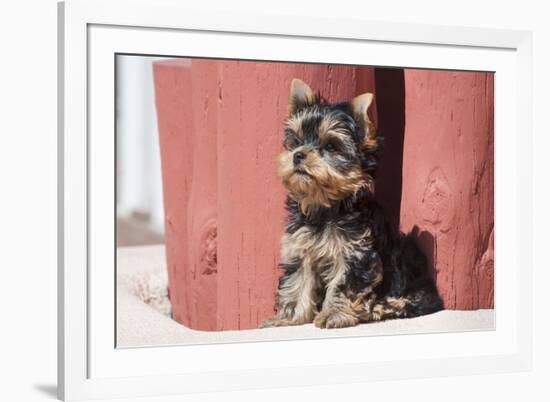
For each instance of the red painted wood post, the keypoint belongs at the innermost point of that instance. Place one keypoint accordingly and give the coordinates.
(220, 125)
(220, 132)
(186, 119)
(448, 180)
(250, 210)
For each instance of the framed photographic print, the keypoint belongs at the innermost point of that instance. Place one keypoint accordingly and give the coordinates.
(245, 197)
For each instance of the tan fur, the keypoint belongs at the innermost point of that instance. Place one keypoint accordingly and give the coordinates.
(322, 184)
(389, 307)
(337, 311)
(361, 105)
(339, 315)
(323, 256)
(398, 303)
(296, 296)
(328, 129)
(300, 92)
(294, 124)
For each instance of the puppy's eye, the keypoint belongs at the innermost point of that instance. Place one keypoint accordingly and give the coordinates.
(291, 141)
(290, 144)
(329, 147)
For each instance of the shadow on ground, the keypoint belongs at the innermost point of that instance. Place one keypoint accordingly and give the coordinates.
(47, 389)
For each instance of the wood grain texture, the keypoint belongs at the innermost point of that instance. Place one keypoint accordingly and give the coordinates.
(190, 187)
(220, 127)
(448, 180)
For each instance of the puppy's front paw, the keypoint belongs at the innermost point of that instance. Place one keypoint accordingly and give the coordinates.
(333, 318)
(275, 322)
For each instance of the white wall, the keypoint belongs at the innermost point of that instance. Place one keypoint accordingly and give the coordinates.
(139, 183)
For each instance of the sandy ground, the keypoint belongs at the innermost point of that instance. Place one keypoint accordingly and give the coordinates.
(141, 274)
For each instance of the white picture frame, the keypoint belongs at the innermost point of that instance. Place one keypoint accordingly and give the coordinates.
(92, 32)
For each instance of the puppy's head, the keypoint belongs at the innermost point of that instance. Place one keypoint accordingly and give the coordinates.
(329, 149)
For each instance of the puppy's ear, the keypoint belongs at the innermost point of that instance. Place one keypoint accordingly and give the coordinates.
(301, 96)
(361, 105)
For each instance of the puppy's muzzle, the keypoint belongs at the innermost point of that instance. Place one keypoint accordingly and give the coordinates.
(298, 158)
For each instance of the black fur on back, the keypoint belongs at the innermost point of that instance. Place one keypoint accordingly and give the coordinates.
(405, 271)
(342, 262)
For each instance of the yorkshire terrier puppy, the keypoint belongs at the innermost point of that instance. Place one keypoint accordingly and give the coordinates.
(341, 263)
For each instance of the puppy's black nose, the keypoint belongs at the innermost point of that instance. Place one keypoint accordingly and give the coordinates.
(298, 157)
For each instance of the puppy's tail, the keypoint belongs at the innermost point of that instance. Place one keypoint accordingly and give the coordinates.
(408, 289)
(414, 304)
(422, 301)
